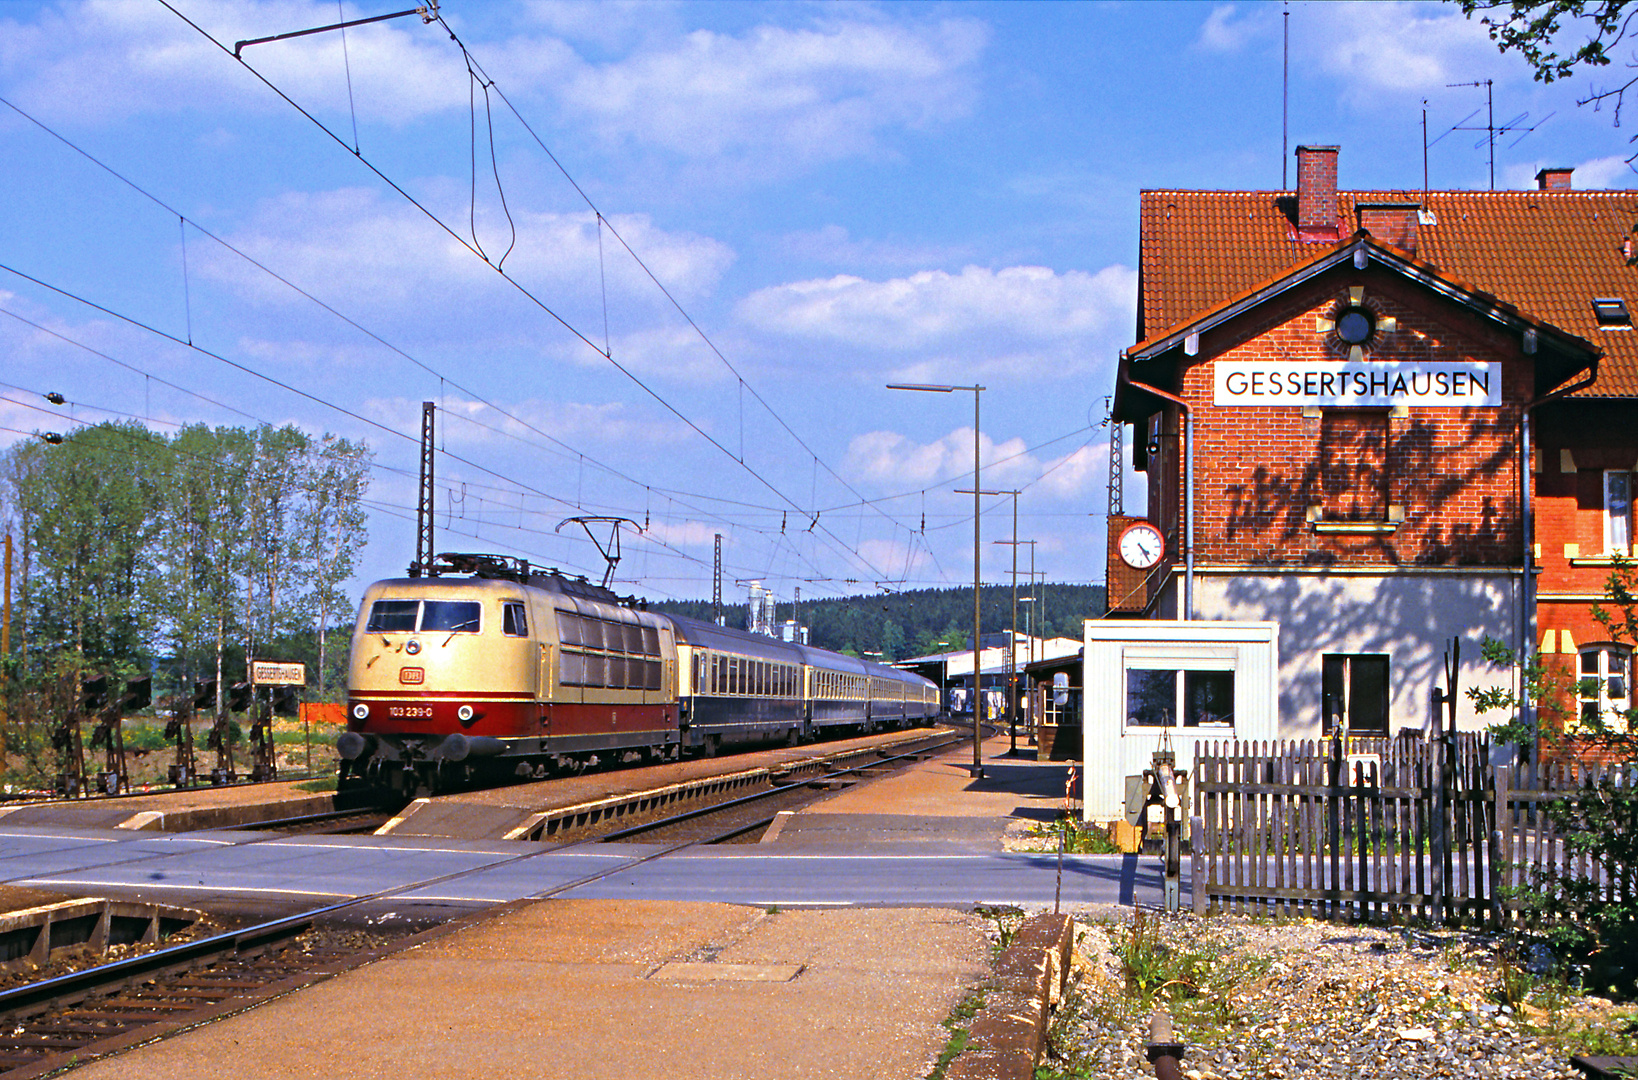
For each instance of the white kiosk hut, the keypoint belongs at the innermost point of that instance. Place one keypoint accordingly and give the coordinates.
(1147, 679)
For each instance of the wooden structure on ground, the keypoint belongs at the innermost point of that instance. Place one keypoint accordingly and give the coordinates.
(1379, 830)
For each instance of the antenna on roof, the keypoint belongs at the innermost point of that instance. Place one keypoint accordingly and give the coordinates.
(1492, 129)
(1285, 100)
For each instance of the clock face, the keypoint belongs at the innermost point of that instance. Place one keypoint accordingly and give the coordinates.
(1141, 545)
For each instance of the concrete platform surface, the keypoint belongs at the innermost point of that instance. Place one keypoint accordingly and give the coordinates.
(685, 991)
(592, 989)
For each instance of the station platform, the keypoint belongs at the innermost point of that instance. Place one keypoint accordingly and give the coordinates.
(185, 810)
(688, 991)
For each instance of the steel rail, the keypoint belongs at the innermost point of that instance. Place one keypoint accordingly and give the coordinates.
(81, 984)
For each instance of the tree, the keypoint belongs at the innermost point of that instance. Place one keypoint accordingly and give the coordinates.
(332, 532)
(1599, 822)
(1536, 29)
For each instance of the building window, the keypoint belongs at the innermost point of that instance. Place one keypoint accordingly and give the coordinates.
(1605, 686)
(1158, 697)
(1354, 464)
(1354, 693)
(1611, 312)
(1617, 511)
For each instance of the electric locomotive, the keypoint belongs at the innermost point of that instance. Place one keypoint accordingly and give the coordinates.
(492, 668)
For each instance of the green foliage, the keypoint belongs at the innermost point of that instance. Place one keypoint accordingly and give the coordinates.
(960, 1036)
(141, 552)
(1569, 909)
(146, 737)
(922, 621)
(1534, 30)
(1078, 838)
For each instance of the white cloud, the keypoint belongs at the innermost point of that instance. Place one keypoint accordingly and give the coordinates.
(1222, 32)
(1598, 174)
(1398, 48)
(389, 254)
(685, 534)
(1601, 173)
(467, 423)
(890, 460)
(887, 458)
(1029, 302)
(105, 60)
(809, 94)
(763, 99)
(1077, 473)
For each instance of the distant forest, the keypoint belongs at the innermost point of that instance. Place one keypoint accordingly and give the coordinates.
(923, 621)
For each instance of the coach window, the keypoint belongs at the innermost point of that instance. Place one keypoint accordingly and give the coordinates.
(1605, 686)
(1617, 512)
(514, 623)
(1354, 693)
(1354, 464)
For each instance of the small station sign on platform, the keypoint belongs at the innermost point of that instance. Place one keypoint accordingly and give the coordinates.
(275, 673)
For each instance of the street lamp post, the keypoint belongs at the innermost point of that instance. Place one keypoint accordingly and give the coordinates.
(939, 388)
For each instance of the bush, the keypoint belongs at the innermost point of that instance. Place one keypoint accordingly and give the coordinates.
(1569, 910)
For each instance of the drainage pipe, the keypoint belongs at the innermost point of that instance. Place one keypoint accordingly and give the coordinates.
(1164, 1052)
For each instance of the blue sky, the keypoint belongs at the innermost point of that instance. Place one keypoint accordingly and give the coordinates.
(837, 195)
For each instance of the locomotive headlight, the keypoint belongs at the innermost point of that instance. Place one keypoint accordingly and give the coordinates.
(464, 712)
(412, 646)
(361, 711)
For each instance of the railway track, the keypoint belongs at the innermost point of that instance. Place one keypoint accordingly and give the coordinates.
(49, 1025)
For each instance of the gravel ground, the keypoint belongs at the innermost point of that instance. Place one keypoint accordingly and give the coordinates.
(1305, 999)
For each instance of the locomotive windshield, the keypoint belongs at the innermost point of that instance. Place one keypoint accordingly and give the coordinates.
(458, 616)
(392, 616)
(407, 616)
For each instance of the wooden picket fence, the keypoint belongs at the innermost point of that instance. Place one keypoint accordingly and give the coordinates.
(1379, 830)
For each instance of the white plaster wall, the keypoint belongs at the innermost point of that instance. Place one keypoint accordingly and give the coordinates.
(1410, 616)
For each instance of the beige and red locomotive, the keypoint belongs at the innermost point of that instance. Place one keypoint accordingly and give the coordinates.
(503, 670)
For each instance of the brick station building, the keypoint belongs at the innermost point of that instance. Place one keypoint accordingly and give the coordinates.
(1386, 420)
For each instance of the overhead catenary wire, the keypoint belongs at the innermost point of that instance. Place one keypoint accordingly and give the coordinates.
(583, 458)
(520, 287)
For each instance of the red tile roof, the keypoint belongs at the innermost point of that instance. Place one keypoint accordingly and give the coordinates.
(1549, 253)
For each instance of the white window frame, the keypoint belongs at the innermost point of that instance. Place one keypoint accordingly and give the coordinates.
(1617, 519)
(1612, 708)
(1209, 659)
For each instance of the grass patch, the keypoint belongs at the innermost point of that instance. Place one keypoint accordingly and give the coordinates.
(1077, 837)
(956, 1025)
(323, 783)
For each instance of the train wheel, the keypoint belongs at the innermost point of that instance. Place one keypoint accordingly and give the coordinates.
(711, 745)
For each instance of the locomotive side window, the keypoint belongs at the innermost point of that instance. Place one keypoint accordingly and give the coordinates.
(392, 617)
(514, 623)
(456, 616)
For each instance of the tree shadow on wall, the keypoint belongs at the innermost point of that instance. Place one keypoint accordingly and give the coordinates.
(1412, 469)
(1411, 617)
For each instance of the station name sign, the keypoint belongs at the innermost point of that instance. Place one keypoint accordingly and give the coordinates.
(272, 673)
(1361, 382)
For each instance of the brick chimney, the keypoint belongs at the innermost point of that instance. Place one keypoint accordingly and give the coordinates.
(1554, 179)
(1317, 192)
(1392, 223)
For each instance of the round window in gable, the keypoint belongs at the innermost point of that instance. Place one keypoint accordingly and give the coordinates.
(1355, 326)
